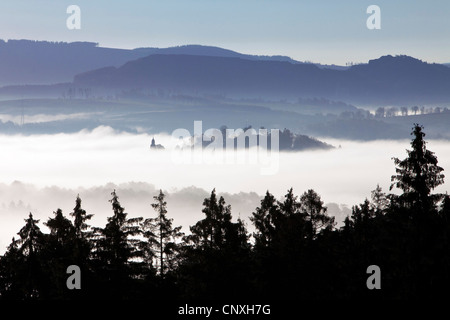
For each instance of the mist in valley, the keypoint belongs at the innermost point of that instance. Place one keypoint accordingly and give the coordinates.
(41, 173)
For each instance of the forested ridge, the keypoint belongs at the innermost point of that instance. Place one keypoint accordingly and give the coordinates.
(295, 252)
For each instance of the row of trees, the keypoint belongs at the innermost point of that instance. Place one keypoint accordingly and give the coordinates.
(385, 112)
(382, 112)
(295, 251)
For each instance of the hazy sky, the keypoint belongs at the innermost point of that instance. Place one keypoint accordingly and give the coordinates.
(326, 31)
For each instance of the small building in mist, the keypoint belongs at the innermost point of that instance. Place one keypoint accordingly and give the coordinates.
(155, 146)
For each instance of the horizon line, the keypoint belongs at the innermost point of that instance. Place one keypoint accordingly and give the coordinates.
(97, 44)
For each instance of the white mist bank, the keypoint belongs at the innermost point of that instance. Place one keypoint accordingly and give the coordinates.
(53, 169)
(41, 118)
(92, 158)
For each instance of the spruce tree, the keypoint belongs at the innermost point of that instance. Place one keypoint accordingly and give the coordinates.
(30, 237)
(82, 245)
(266, 220)
(290, 206)
(162, 235)
(117, 248)
(30, 246)
(216, 253)
(315, 213)
(417, 175)
(80, 217)
(21, 275)
(380, 201)
(61, 228)
(293, 226)
(57, 254)
(216, 229)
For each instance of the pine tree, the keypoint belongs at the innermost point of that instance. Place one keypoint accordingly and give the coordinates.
(116, 248)
(30, 237)
(80, 217)
(416, 215)
(292, 223)
(30, 245)
(266, 220)
(61, 228)
(290, 206)
(362, 214)
(417, 175)
(82, 245)
(57, 254)
(216, 254)
(162, 235)
(21, 275)
(380, 201)
(210, 232)
(315, 213)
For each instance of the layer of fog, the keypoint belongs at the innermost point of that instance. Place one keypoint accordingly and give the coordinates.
(40, 173)
(42, 118)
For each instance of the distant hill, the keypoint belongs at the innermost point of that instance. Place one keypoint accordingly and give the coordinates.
(397, 80)
(387, 80)
(204, 74)
(211, 51)
(35, 66)
(288, 141)
(43, 62)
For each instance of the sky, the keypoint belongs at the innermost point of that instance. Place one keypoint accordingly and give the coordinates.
(324, 31)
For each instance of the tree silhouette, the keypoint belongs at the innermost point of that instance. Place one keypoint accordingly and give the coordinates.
(418, 174)
(316, 214)
(57, 254)
(80, 217)
(380, 201)
(210, 232)
(116, 249)
(61, 229)
(215, 259)
(82, 244)
(293, 226)
(30, 245)
(160, 233)
(266, 220)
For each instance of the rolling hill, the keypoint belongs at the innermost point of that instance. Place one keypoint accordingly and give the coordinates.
(387, 80)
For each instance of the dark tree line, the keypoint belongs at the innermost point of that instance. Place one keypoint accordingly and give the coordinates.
(295, 251)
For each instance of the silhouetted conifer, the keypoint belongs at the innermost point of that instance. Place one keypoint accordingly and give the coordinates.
(266, 219)
(116, 249)
(315, 213)
(380, 201)
(162, 236)
(417, 175)
(215, 259)
(80, 217)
